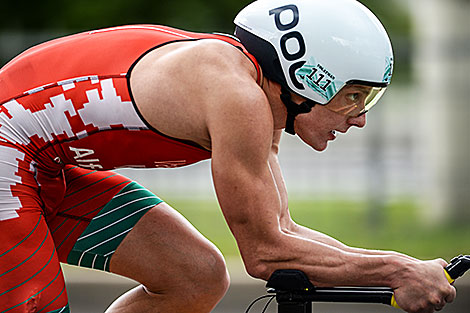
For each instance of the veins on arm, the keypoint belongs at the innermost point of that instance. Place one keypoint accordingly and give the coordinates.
(294, 229)
(253, 198)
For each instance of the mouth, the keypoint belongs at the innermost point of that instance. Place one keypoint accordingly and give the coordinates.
(332, 135)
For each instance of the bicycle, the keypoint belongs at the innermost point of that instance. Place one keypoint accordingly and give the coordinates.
(295, 293)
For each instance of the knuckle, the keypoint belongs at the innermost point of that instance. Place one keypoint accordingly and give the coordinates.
(448, 290)
(451, 295)
(419, 306)
(435, 301)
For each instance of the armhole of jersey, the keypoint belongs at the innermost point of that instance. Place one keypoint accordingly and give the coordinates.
(128, 78)
(255, 64)
(228, 40)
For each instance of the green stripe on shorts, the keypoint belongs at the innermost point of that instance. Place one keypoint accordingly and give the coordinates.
(106, 230)
(65, 309)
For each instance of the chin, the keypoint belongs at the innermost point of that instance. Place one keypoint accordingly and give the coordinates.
(314, 142)
(319, 146)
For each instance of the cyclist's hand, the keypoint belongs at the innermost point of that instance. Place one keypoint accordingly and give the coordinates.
(423, 287)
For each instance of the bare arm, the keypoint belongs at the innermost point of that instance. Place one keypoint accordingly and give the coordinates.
(254, 205)
(252, 196)
(300, 230)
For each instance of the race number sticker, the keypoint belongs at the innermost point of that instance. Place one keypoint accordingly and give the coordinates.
(388, 70)
(318, 78)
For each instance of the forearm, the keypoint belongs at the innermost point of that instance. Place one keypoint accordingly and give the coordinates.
(320, 237)
(328, 266)
(253, 198)
(324, 264)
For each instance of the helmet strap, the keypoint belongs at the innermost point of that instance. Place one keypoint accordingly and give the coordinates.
(293, 109)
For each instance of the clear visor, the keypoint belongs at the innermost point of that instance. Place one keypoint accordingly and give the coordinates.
(355, 99)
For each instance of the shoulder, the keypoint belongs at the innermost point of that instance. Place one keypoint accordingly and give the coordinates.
(200, 66)
(234, 96)
(208, 85)
(226, 81)
(217, 59)
(216, 50)
(240, 122)
(204, 53)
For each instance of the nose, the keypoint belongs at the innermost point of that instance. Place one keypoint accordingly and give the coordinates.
(359, 121)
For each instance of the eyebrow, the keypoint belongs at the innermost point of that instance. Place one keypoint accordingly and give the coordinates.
(361, 88)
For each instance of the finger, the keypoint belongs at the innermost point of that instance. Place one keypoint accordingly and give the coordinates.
(451, 294)
(440, 305)
(442, 262)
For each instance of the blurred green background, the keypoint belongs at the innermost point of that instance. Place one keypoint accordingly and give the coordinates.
(349, 221)
(401, 184)
(61, 18)
(199, 15)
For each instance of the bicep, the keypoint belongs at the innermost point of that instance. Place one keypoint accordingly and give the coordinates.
(250, 203)
(279, 180)
(245, 186)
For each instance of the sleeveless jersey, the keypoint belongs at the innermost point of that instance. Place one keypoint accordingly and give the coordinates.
(66, 117)
(67, 101)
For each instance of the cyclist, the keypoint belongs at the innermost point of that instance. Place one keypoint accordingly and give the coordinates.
(151, 96)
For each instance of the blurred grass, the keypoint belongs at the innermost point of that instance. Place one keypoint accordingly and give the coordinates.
(398, 226)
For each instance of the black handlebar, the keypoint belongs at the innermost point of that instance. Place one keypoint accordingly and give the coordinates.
(458, 266)
(293, 286)
(295, 293)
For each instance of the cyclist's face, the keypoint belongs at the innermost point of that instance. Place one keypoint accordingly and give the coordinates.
(350, 100)
(323, 122)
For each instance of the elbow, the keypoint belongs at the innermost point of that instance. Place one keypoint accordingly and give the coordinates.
(261, 262)
(258, 269)
(267, 250)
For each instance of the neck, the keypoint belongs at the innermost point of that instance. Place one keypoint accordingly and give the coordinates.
(278, 109)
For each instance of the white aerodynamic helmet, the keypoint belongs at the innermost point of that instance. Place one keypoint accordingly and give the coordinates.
(316, 47)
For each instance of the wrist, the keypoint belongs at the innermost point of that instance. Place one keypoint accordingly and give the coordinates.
(400, 269)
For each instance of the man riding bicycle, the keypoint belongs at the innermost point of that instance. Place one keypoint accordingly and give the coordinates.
(151, 96)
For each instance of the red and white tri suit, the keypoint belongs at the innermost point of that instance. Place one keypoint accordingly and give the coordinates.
(67, 117)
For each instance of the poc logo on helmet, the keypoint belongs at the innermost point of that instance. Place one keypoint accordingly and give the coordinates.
(293, 35)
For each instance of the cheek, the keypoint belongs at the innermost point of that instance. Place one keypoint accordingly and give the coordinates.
(310, 131)
(318, 121)
(306, 127)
